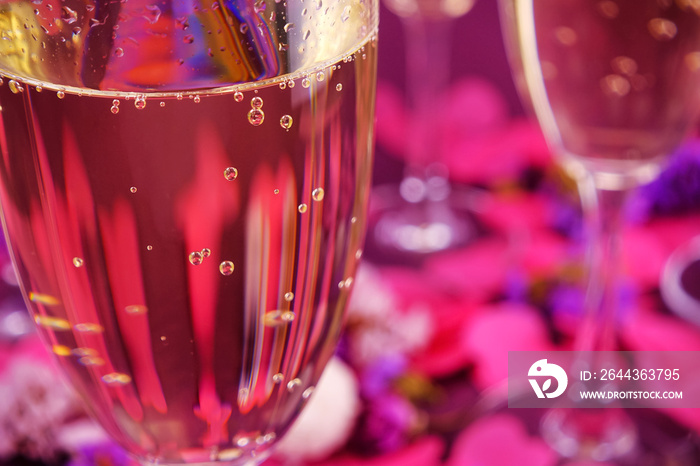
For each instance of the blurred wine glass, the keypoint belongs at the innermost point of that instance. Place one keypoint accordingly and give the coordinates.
(615, 85)
(679, 284)
(184, 190)
(424, 213)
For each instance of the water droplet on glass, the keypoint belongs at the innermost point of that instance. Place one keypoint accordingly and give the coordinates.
(188, 39)
(39, 88)
(179, 96)
(278, 378)
(320, 76)
(91, 361)
(231, 173)
(692, 61)
(83, 351)
(286, 122)
(358, 254)
(163, 338)
(256, 117)
(119, 52)
(317, 194)
(283, 85)
(302, 208)
(54, 323)
(662, 29)
(78, 262)
(162, 104)
(615, 85)
(61, 350)
(86, 327)
(68, 15)
(305, 83)
(42, 298)
(276, 191)
(226, 268)
(206, 252)
(306, 35)
(140, 102)
(238, 96)
(608, 9)
(288, 26)
(229, 454)
(293, 384)
(136, 309)
(116, 378)
(256, 102)
(291, 83)
(259, 6)
(346, 13)
(14, 86)
(566, 36)
(197, 99)
(348, 282)
(277, 318)
(133, 189)
(307, 393)
(243, 441)
(114, 109)
(338, 87)
(149, 248)
(624, 65)
(195, 258)
(288, 296)
(153, 14)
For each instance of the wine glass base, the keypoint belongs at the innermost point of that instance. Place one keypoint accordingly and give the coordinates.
(611, 436)
(429, 225)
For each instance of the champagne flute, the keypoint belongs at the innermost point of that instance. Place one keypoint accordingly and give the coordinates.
(424, 213)
(184, 187)
(615, 85)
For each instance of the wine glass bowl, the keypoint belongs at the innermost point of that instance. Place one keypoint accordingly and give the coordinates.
(184, 193)
(614, 83)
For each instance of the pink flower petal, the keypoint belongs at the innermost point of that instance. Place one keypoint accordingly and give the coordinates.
(475, 273)
(643, 256)
(498, 155)
(515, 212)
(650, 331)
(495, 331)
(424, 452)
(500, 440)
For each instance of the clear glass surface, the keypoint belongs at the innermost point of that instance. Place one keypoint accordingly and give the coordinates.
(184, 189)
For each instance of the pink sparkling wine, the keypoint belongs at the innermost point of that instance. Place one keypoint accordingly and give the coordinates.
(180, 222)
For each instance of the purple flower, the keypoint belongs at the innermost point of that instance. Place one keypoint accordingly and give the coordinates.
(677, 189)
(385, 425)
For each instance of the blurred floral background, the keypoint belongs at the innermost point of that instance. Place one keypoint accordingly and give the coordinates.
(419, 376)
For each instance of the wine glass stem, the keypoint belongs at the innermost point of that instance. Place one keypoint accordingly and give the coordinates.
(602, 211)
(428, 49)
